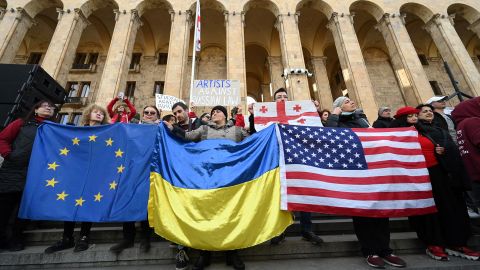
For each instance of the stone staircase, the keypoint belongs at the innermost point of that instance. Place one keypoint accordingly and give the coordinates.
(340, 241)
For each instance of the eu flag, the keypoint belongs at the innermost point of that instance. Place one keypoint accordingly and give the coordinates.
(97, 174)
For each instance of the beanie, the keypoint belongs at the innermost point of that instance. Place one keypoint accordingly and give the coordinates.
(338, 102)
(220, 108)
(405, 111)
(381, 110)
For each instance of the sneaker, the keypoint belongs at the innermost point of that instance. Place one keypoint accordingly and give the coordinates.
(472, 213)
(145, 245)
(437, 253)
(181, 260)
(81, 244)
(277, 239)
(65, 243)
(394, 260)
(118, 248)
(312, 237)
(233, 259)
(375, 261)
(463, 252)
(202, 261)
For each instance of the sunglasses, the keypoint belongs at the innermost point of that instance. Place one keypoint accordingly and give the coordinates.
(149, 112)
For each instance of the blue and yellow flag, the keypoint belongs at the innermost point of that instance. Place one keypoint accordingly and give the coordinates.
(97, 174)
(216, 194)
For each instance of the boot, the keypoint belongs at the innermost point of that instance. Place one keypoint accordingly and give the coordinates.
(202, 261)
(65, 243)
(233, 259)
(118, 248)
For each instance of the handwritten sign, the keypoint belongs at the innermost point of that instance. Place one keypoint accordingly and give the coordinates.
(165, 102)
(216, 92)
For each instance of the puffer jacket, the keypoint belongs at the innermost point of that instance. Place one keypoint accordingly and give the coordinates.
(212, 131)
(348, 120)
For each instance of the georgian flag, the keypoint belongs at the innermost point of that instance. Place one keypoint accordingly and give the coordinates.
(302, 113)
(197, 28)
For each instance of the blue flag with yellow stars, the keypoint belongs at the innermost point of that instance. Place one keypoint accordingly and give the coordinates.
(97, 174)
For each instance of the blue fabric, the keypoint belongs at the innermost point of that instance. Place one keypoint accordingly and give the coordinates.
(89, 169)
(214, 163)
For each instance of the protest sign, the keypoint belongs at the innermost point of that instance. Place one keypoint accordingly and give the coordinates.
(165, 102)
(216, 92)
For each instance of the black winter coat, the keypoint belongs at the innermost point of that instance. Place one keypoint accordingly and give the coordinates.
(354, 120)
(382, 122)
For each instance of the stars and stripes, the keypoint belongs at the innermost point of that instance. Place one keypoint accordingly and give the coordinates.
(358, 172)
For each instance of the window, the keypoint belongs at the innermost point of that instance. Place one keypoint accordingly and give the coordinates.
(436, 88)
(130, 90)
(162, 58)
(76, 118)
(135, 60)
(34, 58)
(92, 58)
(84, 60)
(63, 118)
(158, 87)
(478, 56)
(72, 89)
(423, 59)
(85, 89)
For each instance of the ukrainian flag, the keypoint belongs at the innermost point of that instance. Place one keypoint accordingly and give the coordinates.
(216, 194)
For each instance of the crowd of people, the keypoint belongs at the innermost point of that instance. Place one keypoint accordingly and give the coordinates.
(450, 145)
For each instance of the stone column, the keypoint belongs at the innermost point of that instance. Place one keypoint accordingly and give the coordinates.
(324, 91)
(178, 54)
(453, 51)
(408, 69)
(236, 68)
(13, 28)
(266, 93)
(276, 69)
(61, 51)
(475, 27)
(352, 63)
(119, 55)
(292, 55)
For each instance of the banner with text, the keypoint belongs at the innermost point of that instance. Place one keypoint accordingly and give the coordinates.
(165, 102)
(216, 92)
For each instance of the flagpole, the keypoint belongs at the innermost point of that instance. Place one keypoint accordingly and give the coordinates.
(195, 40)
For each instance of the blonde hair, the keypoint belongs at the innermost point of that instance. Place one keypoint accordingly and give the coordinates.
(86, 114)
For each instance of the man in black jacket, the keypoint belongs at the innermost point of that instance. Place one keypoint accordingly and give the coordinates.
(384, 118)
(441, 119)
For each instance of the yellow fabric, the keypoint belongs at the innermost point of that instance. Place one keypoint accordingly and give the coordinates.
(227, 218)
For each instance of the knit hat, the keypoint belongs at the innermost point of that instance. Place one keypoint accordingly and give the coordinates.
(220, 108)
(382, 109)
(338, 102)
(405, 111)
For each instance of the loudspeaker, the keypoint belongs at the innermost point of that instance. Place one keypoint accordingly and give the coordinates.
(21, 86)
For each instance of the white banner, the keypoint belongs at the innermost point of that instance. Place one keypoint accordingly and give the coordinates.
(216, 92)
(165, 102)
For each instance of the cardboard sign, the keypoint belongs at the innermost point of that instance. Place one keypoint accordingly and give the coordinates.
(165, 102)
(216, 92)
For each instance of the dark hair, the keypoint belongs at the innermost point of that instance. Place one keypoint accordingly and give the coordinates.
(181, 104)
(280, 90)
(31, 114)
(400, 121)
(153, 107)
(324, 111)
(419, 107)
(169, 117)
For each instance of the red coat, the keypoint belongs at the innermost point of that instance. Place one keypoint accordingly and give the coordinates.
(123, 117)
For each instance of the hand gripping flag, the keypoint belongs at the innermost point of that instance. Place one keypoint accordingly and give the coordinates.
(286, 112)
(97, 174)
(354, 172)
(216, 194)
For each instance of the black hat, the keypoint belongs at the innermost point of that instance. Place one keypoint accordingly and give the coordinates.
(220, 108)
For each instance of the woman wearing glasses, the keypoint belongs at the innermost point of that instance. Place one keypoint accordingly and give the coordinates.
(16, 142)
(150, 116)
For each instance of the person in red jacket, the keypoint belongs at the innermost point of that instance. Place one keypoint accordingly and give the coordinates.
(120, 113)
(16, 143)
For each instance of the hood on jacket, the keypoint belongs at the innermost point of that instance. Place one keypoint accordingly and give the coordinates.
(466, 109)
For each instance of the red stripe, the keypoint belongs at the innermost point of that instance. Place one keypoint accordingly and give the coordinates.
(393, 179)
(371, 196)
(283, 119)
(342, 211)
(389, 138)
(380, 130)
(392, 150)
(384, 164)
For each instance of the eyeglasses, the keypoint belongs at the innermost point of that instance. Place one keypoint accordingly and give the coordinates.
(149, 112)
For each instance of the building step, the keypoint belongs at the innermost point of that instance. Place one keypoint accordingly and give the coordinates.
(98, 255)
(111, 232)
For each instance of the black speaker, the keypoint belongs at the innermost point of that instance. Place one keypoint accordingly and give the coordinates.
(22, 86)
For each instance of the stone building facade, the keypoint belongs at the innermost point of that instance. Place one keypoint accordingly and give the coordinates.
(379, 52)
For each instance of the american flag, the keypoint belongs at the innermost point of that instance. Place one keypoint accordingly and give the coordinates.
(354, 172)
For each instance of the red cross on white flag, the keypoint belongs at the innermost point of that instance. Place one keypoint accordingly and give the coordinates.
(197, 28)
(289, 112)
